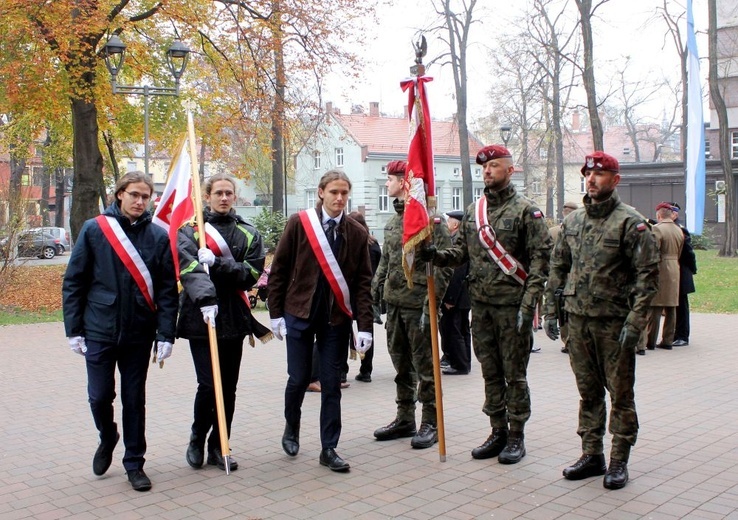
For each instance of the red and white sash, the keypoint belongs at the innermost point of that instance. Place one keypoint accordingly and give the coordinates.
(217, 244)
(326, 259)
(127, 253)
(488, 238)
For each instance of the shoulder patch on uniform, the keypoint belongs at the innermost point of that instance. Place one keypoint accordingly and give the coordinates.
(436, 220)
(642, 226)
(537, 213)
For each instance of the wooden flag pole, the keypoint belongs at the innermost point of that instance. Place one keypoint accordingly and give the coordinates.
(418, 70)
(214, 357)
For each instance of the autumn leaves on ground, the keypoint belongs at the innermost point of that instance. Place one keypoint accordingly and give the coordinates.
(31, 288)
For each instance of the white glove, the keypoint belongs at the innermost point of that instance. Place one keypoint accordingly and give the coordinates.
(363, 342)
(206, 256)
(77, 344)
(209, 312)
(279, 328)
(163, 350)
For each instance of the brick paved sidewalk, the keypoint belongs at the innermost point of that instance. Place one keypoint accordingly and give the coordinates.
(685, 464)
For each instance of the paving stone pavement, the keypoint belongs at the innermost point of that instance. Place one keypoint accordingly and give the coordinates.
(685, 464)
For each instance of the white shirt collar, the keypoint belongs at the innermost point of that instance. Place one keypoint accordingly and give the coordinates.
(326, 218)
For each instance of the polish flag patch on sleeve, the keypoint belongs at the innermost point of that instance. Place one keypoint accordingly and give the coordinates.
(537, 213)
(641, 227)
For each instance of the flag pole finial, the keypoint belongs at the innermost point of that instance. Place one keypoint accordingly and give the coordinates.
(421, 48)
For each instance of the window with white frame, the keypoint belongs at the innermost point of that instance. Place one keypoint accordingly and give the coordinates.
(477, 172)
(734, 145)
(339, 156)
(536, 187)
(383, 202)
(582, 184)
(384, 169)
(438, 197)
(707, 147)
(311, 197)
(457, 172)
(478, 193)
(316, 159)
(456, 199)
(131, 166)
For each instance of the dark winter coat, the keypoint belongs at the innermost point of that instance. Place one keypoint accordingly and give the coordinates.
(102, 301)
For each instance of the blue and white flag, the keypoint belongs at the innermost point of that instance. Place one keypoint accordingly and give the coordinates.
(695, 178)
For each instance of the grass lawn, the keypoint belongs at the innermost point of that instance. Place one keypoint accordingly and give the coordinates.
(33, 294)
(716, 283)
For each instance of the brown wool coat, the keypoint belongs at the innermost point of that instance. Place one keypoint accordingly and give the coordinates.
(669, 238)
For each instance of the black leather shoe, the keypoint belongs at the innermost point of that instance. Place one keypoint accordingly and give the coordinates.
(641, 352)
(617, 475)
(514, 449)
(104, 456)
(195, 453)
(451, 371)
(395, 430)
(215, 458)
(492, 447)
(587, 466)
(365, 378)
(291, 439)
(329, 457)
(564, 350)
(138, 479)
(426, 437)
(680, 343)
(664, 346)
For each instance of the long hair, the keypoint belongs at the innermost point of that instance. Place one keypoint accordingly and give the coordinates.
(207, 186)
(132, 178)
(333, 175)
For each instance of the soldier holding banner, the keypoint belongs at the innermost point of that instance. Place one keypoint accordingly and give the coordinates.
(120, 298)
(320, 280)
(235, 256)
(408, 323)
(505, 239)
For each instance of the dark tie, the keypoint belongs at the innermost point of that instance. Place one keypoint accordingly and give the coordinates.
(331, 234)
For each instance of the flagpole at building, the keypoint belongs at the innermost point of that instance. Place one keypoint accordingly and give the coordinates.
(214, 357)
(420, 159)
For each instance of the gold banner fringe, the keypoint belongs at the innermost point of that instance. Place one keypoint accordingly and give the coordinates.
(409, 246)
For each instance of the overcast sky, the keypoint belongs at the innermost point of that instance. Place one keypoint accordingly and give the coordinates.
(622, 28)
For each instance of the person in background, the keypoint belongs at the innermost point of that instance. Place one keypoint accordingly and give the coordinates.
(687, 270)
(408, 322)
(554, 230)
(454, 325)
(605, 263)
(505, 239)
(119, 299)
(669, 240)
(235, 259)
(320, 280)
(375, 253)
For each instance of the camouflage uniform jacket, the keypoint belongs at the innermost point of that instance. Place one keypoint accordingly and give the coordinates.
(522, 231)
(391, 274)
(606, 260)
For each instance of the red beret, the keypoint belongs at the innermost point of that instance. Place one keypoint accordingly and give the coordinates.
(396, 168)
(600, 161)
(493, 151)
(662, 205)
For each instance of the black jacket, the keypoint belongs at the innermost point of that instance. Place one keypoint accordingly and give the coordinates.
(226, 282)
(687, 265)
(101, 300)
(457, 293)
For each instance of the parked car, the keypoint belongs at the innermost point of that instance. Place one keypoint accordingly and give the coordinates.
(60, 233)
(34, 242)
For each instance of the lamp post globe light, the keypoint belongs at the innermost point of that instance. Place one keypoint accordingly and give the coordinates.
(177, 57)
(505, 134)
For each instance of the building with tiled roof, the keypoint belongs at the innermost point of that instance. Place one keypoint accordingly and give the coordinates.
(362, 144)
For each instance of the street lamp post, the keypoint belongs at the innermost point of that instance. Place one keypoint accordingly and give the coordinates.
(177, 57)
(505, 134)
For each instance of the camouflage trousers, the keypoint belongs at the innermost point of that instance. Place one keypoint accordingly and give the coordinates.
(600, 364)
(410, 349)
(503, 355)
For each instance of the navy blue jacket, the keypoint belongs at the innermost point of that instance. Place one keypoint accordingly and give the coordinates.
(102, 301)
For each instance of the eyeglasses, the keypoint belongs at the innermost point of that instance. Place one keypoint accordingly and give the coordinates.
(136, 195)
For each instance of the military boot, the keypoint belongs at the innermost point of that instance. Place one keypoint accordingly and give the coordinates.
(426, 437)
(514, 450)
(395, 430)
(617, 474)
(492, 446)
(195, 451)
(587, 466)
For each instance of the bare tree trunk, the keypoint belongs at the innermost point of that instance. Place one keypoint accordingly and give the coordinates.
(588, 78)
(731, 236)
(16, 209)
(59, 199)
(278, 115)
(88, 165)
